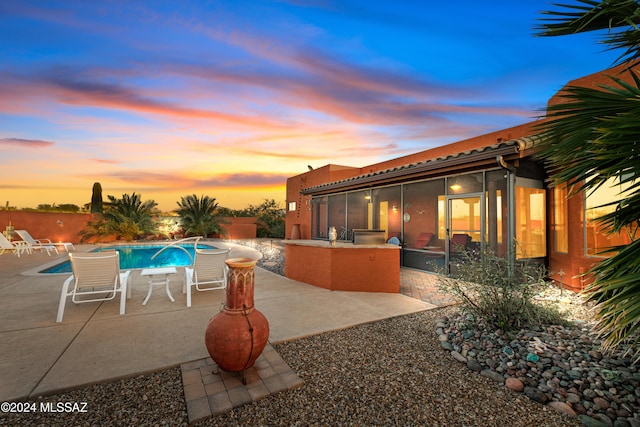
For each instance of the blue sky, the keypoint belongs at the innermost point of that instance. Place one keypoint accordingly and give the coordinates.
(230, 98)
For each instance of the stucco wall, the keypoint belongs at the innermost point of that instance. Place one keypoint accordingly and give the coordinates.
(57, 227)
(238, 228)
(65, 227)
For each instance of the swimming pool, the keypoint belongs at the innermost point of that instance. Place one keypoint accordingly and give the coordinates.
(140, 256)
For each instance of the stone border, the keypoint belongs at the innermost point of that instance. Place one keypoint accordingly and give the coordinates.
(208, 390)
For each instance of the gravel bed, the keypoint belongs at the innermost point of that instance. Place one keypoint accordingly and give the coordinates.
(155, 399)
(272, 251)
(431, 368)
(561, 366)
(391, 372)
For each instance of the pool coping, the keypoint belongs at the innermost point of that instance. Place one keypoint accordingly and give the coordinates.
(245, 250)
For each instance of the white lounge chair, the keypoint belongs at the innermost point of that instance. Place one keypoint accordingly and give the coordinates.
(17, 247)
(97, 275)
(208, 272)
(37, 244)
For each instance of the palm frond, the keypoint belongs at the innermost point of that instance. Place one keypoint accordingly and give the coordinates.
(590, 15)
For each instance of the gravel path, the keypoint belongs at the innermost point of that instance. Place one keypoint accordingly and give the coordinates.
(392, 372)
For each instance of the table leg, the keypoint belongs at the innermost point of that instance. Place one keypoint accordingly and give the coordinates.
(146, 299)
(166, 285)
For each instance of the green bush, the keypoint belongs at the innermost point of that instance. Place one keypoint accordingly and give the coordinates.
(500, 292)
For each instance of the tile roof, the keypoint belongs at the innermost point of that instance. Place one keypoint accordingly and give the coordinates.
(515, 146)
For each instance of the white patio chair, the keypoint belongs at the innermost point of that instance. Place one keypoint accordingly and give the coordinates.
(37, 244)
(208, 272)
(17, 247)
(96, 275)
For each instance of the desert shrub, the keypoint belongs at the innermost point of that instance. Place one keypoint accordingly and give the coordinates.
(500, 292)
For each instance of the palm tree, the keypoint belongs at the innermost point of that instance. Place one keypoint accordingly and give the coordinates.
(592, 138)
(128, 218)
(199, 216)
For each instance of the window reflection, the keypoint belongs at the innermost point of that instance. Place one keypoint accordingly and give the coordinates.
(530, 223)
(596, 238)
(560, 217)
(319, 226)
(387, 212)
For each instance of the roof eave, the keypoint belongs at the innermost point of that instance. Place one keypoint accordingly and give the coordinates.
(455, 163)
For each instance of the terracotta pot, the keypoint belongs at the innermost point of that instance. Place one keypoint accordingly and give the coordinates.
(237, 335)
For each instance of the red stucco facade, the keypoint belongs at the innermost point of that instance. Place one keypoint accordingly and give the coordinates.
(569, 266)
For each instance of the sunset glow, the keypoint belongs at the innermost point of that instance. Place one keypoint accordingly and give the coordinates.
(229, 99)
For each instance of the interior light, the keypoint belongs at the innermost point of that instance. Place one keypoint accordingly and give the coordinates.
(455, 187)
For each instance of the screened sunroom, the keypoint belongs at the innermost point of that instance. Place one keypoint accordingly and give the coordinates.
(482, 199)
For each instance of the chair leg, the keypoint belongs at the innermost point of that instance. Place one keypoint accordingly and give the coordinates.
(123, 295)
(63, 299)
(186, 287)
(189, 286)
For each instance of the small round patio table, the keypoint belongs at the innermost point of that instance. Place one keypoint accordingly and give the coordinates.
(153, 281)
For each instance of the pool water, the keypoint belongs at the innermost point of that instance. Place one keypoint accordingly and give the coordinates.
(139, 256)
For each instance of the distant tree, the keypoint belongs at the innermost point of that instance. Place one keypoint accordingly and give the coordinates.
(96, 198)
(68, 207)
(222, 211)
(271, 218)
(128, 218)
(65, 207)
(199, 216)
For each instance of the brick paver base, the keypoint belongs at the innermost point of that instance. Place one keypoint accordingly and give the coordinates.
(423, 286)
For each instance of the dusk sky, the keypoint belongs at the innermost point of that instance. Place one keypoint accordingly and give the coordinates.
(230, 98)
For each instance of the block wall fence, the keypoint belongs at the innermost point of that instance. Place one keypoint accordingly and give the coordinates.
(66, 227)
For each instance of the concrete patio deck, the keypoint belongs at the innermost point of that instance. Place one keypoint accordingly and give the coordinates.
(94, 344)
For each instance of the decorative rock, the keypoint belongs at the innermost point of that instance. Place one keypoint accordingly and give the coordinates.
(604, 419)
(458, 357)
(446, 345)
(493, 364)
(621, 422)
(579, 408)
(514, 384)
(473, 365)
(573, 398)
(553, 364)
(493, 375)
(588, 394)
(535, 394)
(562, 407)
(633, 422)
(574, 375)
(602, 403)
(587, 421)
(623, 413)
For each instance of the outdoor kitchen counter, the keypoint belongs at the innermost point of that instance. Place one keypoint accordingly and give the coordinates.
(345, 266)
